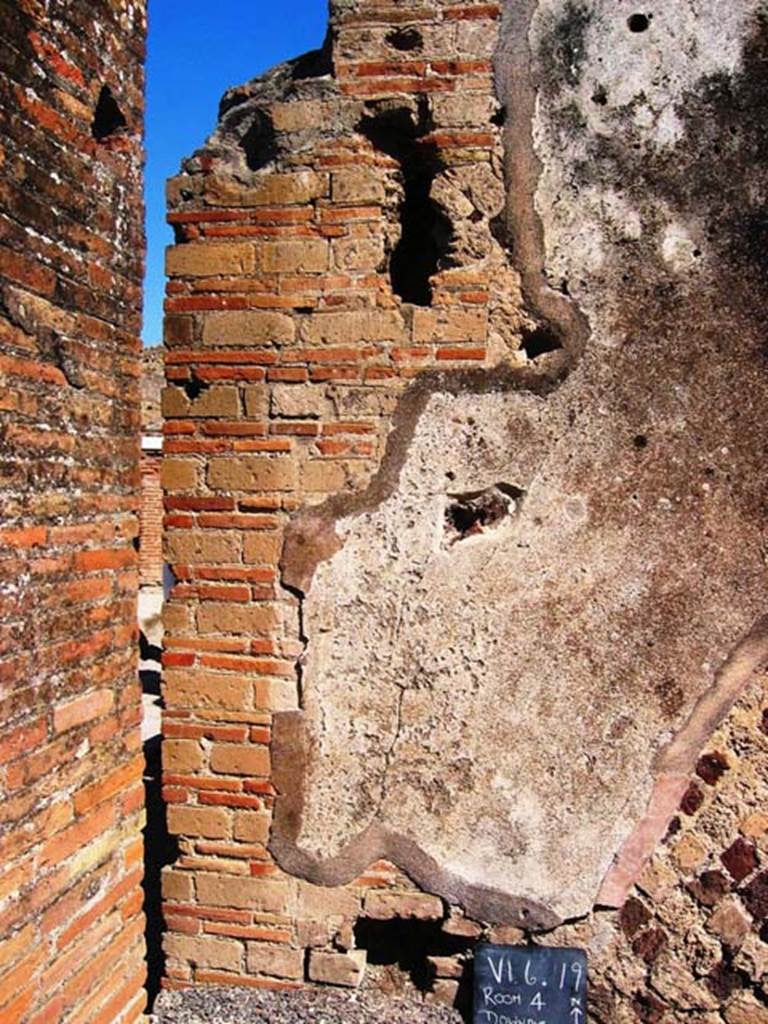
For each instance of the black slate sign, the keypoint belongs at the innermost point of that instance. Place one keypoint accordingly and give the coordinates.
(530, 985)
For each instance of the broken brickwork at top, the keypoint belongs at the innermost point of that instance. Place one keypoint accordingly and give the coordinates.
(310, 285)
(356, 290)
(71, 244)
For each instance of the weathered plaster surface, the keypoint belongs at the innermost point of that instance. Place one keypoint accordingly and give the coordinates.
(494, 710)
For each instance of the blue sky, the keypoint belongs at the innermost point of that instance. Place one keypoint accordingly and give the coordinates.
(197, 50)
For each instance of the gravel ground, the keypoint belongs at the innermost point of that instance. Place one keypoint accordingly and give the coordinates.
(215, 1005)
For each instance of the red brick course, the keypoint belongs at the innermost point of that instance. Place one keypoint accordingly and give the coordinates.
(151, 521)
(287, 347)
(287, 350)
(71, 244)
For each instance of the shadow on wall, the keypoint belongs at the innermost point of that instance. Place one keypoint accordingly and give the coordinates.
(149, 677)
(160, 848)
(421, 956)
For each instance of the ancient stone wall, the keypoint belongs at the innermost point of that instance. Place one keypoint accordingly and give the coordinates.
(465, 508)
(71, 243)
(151, 512)
(151, 521)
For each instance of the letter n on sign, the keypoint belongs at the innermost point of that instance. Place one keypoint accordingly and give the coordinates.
(530, 985)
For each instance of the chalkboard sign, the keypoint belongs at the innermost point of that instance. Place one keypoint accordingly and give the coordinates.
(530, 985)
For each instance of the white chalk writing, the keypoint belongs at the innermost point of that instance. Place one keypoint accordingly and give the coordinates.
(491, 1017)
(530, 986)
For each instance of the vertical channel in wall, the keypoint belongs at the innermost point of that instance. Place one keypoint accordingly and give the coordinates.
(71, 261)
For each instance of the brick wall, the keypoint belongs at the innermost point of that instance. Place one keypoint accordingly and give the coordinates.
(151, 521)
(302, 300)
(287, 346)
(151, 513)
(71, 243)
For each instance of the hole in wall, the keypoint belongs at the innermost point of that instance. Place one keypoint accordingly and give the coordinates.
(499, 117)
(639, 22)
(259, 142)
(252, 130)
(108, 118)
(194, 387)
(169, 580)
(499, 230)
(400, 948)
(426, 233)
(540, 340)
(474, 512)
(315, 64)
(600, 96)
(405, 39)
(640, 441)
